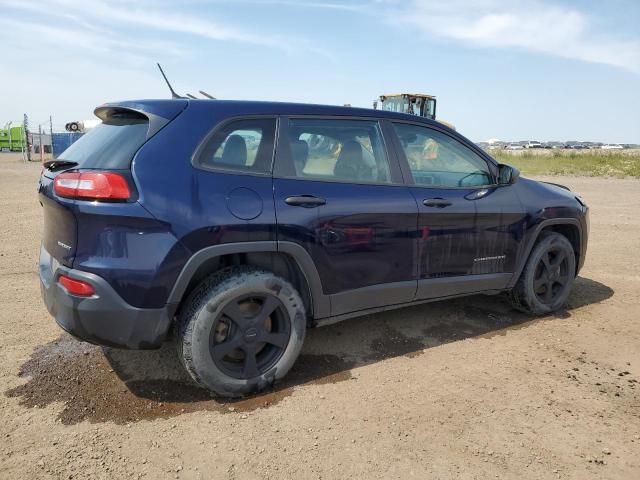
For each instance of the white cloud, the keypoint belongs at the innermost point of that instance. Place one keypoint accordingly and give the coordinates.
(345, 6)
(524, 24)
(68, 56)
(98, 16)
(352, 6)
(97, 41)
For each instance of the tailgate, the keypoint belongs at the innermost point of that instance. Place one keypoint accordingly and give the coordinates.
(59, 232)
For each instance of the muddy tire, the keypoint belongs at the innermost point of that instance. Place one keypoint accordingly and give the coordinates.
(240, 331)
(545, 283)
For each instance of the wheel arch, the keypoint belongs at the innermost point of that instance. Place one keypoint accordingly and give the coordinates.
(285, 259)
(568, 227)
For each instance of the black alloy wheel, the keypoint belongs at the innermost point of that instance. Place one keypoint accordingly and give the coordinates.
(552, 275)
(250, 335)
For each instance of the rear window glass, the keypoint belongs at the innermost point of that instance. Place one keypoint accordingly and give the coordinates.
(243, 145)
(110, 145)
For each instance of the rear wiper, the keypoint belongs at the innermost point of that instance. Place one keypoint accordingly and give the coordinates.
(53, 165)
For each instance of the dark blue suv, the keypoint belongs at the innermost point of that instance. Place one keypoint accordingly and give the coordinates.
(238, 225)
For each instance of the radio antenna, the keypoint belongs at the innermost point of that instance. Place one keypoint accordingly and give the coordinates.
(207, 95)
(173, 93)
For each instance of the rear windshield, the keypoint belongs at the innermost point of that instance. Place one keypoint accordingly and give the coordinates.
(110, 145)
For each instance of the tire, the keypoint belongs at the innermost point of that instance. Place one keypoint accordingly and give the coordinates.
(551, 267)
(240, 331)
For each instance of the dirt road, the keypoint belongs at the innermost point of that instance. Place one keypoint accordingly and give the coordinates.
(461, 389)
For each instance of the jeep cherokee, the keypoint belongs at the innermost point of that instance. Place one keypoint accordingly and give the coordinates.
(237, 225)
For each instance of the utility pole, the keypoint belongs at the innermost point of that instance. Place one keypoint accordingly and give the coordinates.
(51, 134)
(26, 137)
(40, 142)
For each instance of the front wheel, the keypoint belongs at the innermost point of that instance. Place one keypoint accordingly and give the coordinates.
(545, 283)
(241, 330)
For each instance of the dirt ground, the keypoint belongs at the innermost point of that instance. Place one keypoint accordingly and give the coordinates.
(460, 389)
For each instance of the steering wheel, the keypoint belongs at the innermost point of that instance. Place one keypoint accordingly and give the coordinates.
(476, 173)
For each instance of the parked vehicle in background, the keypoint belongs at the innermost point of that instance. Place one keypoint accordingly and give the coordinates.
(533, 144)
(612, 146)
(514, 146)
(266, 219)
(412, 103)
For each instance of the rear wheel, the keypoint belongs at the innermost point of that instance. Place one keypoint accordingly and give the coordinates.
(546, 281)
(241, 330)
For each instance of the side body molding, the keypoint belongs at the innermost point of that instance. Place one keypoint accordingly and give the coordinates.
(321, 302)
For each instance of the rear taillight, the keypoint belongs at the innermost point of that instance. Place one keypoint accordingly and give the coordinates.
(92, 185)
(76, 287)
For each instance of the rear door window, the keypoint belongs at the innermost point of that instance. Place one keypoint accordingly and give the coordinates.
(243, 145)
(336, 150)
(112, 144)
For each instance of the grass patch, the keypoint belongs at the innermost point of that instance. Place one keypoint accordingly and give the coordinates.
(625, 163)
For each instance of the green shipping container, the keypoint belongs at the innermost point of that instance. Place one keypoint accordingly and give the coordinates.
(12, 139)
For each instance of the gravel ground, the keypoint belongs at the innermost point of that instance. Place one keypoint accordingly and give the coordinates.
(460, 389)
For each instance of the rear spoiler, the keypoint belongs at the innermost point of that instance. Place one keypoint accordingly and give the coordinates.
(158, 112)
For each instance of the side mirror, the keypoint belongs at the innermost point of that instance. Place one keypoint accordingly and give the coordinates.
(507, 174)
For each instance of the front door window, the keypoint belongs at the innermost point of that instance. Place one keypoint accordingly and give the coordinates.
(438, 160)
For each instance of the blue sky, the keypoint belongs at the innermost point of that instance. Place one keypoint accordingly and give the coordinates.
(508, 69)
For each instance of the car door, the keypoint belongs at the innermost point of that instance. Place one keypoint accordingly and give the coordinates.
(231, 189)
(449, 179)
(339, 195)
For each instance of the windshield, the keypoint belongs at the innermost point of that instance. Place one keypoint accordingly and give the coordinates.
(396, 104)
(110, 145)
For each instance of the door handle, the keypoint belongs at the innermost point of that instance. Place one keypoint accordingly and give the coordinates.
(436, 202)
(307, 201)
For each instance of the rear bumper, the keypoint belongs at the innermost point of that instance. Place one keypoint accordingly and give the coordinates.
(104, 318)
